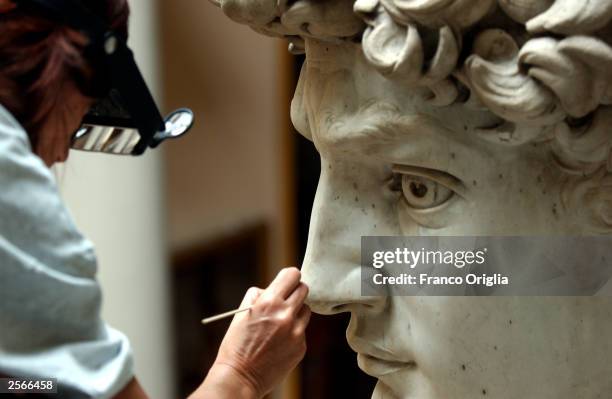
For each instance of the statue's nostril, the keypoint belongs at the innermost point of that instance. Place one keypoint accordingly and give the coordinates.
(339, 308)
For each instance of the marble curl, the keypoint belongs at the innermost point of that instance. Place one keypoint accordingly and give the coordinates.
(326, 20)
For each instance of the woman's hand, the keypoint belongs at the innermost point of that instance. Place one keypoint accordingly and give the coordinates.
(262, 345)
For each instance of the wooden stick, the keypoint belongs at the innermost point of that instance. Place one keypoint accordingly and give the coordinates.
(224, 315)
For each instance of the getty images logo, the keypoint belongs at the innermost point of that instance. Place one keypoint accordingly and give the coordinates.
(412, 259)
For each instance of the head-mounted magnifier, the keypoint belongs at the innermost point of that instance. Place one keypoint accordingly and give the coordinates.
(126, 119)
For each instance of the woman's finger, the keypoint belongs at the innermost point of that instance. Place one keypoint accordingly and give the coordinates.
(284, 283)
(297, 297)
(302, 319)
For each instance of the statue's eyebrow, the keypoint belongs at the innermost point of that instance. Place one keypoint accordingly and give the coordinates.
(367, 129)
(418, 140)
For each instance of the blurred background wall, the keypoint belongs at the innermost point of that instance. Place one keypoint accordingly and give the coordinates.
(228, 173)
(229, 186)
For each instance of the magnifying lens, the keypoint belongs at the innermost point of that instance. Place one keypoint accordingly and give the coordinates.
(122, 139)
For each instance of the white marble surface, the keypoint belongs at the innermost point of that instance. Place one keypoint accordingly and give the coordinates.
(456, 117)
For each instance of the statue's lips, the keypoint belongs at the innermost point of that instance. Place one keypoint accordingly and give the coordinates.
(377, 361)
(377, 367)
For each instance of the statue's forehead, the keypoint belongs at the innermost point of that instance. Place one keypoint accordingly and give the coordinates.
(343, 124)
(336, 76)
(338, 84)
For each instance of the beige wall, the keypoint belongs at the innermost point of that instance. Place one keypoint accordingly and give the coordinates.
(233, 169)
(118, 203)
(227, 173)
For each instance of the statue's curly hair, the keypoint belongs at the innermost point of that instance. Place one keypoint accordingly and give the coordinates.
(544, 67)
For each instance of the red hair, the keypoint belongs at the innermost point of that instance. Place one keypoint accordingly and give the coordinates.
(39, 55)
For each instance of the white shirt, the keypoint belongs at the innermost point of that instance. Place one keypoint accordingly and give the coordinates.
(50, 323)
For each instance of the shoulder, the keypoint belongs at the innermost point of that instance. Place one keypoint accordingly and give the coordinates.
(13, 137)
(8, 121)
(20, 169)
(34, 219)
(16, 154)
(42, 252)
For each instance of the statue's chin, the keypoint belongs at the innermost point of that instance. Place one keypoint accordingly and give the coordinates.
(383, 391)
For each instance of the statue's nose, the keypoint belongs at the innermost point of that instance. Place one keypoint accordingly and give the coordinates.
(332, 292)
(332, 265)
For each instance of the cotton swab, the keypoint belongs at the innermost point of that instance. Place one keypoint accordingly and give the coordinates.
(224, 315)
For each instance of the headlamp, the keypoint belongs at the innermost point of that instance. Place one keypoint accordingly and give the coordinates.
(126, 119)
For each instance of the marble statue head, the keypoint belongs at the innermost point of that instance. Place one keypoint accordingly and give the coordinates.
(455, 117)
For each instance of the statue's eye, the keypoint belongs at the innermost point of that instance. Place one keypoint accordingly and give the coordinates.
(423, 193)
(427, 198)
(424, 188)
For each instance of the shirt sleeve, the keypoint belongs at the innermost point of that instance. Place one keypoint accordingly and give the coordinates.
(50, 324)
